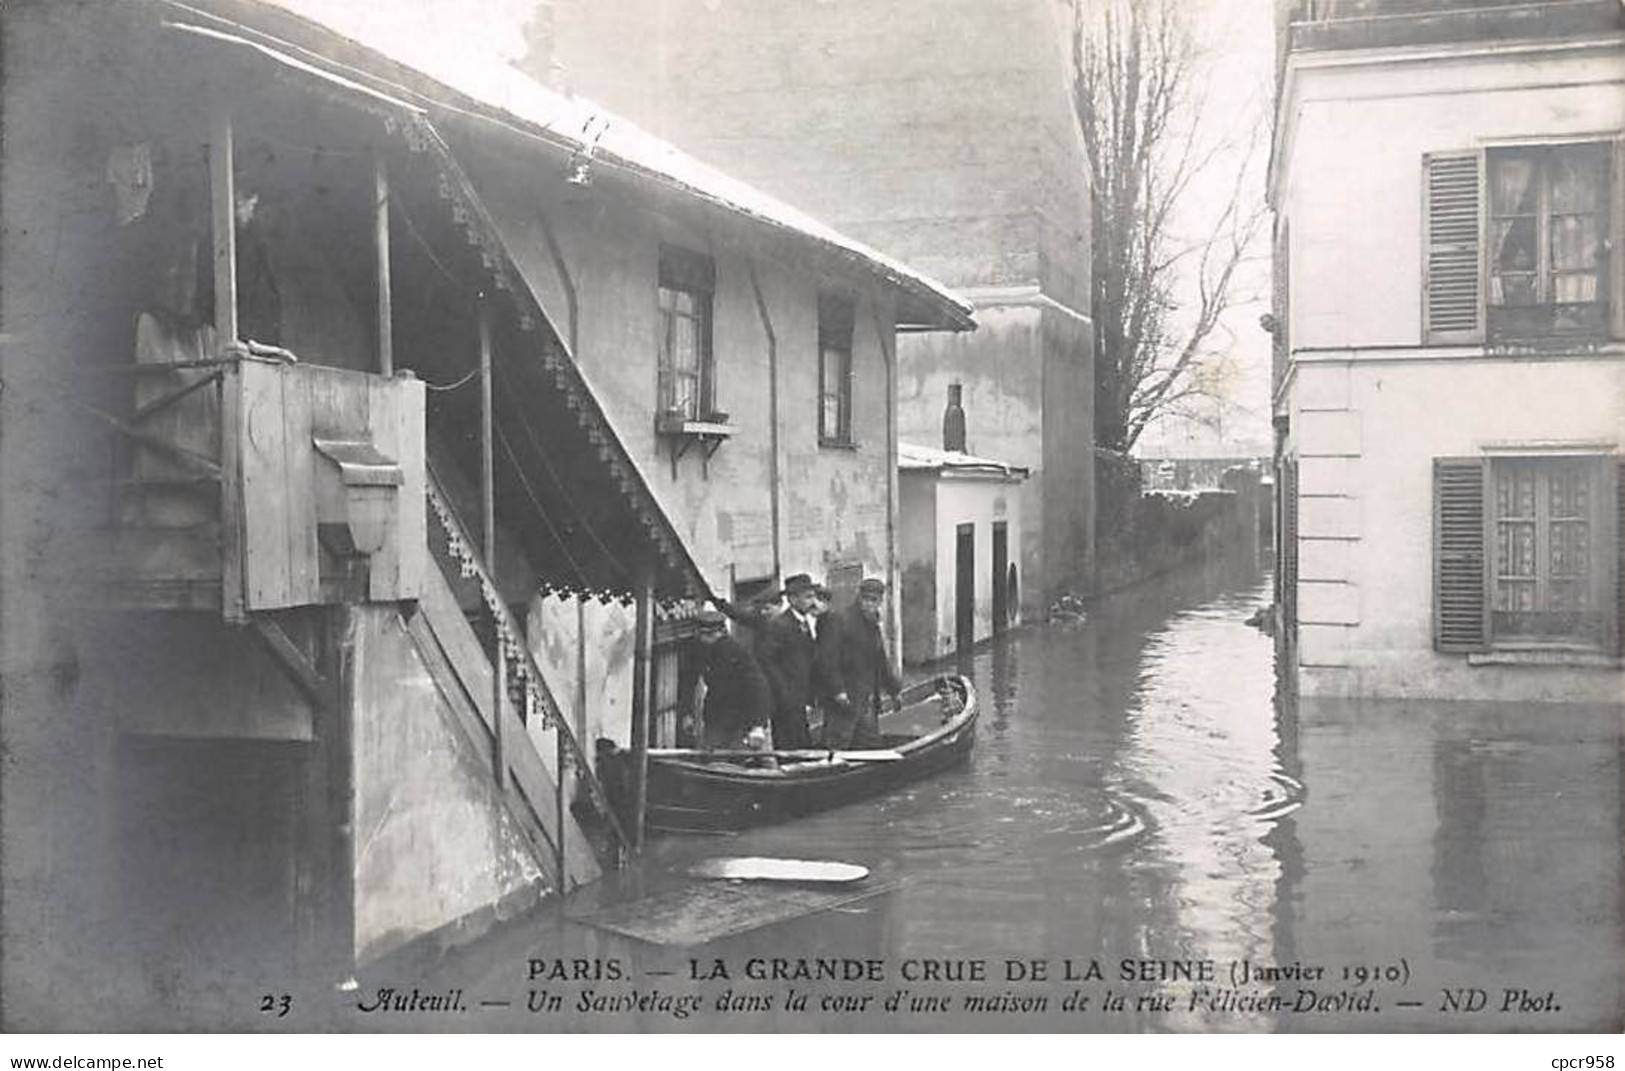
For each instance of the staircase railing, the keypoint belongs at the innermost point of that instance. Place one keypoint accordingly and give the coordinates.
(525, 674)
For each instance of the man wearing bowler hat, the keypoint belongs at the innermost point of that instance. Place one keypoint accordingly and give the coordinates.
(787, 650)
(854, 670)
(737, 698)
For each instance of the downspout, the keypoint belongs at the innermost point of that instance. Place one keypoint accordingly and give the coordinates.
(888, 341)
(567, 282)
(773, 414)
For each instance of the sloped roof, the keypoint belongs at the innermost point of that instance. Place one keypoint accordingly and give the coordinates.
(582, 130)
(912, 457)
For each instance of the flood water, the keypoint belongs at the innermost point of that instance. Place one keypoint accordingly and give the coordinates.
(1144, 816)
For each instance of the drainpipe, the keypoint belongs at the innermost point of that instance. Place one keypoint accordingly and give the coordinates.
(888, 341)
(773, 413)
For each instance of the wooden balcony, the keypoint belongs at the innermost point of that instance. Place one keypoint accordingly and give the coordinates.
(314, 493)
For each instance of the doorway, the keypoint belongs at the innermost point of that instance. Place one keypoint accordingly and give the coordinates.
(965, 587)
(1000, 586)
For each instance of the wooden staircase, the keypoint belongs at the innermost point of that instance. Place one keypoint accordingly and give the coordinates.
(526, 726)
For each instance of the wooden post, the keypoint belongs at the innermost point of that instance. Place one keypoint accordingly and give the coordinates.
(560, 770)
(642, 700)
(488, 532)
(223, 197)
(223, 213)
(380, 231)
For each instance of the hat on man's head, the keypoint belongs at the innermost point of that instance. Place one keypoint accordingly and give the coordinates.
(796, 583)
(711, 620)
(872, 586)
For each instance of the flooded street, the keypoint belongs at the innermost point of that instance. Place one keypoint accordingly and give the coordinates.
(1137, 801)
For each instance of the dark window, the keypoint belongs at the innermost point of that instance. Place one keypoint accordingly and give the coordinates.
(1548, 227)
(835, 371)
(687, 368)
(1526, 551)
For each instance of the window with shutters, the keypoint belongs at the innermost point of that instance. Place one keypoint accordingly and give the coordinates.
(687, 371)
(1517, 243)
(1527, 553)
(1548, 228)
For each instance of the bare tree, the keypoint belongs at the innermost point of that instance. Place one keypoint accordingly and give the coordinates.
(1158, 294)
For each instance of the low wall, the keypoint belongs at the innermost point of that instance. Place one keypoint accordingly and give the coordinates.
(1142, 533)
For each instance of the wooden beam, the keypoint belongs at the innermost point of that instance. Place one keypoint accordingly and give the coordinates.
(299, 666)
(488, 534)
(223, 205)
(642, 698)
(223, 199)
(380, 231)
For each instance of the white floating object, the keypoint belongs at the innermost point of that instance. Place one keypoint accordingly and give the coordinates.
(762, 868)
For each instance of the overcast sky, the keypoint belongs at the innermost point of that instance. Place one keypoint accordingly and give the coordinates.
(441, 36)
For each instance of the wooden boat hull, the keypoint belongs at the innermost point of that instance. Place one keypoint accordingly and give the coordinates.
(686, 795)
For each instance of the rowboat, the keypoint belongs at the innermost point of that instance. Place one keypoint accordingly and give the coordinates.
(690, 790)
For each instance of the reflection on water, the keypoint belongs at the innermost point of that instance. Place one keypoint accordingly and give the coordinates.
(1137, 793)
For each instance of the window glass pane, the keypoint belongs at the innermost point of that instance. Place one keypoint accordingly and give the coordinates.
(1516, 245)
(1512, 184)
(1576, 242)
(1576, 174)
(1575, 288)
(829, 416)
(1514, 492)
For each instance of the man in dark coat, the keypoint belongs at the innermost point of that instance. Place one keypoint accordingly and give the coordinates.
(737, 697)
(854, 670)
(786, 650)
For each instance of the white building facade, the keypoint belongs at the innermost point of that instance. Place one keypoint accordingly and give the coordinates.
(1450, 388)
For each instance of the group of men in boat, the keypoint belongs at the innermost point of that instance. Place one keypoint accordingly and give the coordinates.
(804, 660)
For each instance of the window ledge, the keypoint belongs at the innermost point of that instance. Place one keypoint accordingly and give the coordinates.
(716, 427)
(1546, 656)
(837, 444)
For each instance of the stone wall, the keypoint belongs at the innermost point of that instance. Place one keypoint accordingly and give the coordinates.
(1143, 533)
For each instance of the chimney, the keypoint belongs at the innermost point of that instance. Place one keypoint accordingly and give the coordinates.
(953, 420)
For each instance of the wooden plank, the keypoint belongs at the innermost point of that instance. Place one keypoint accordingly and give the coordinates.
(768, 868)
(265, 493)
(438, 605)
(384, 566)
(397, 416)
(340, 403)
(380, 239)
(222, 201)
(299, 666)
(299, 474)
(413, 457)
(231, 496)
(702, 911)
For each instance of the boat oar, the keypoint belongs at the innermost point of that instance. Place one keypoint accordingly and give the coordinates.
(796, 755)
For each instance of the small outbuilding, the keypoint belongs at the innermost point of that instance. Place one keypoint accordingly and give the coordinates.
(959, 517)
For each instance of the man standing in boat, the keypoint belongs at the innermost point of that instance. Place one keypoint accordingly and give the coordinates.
(737, 697)
(854, 670)
(786, 651)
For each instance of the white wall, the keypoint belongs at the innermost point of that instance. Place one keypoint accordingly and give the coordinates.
(980, 501)
(1353, 170)
(1369, 417)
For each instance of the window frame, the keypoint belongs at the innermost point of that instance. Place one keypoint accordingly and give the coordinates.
(1602, 540)
(1541, 154)
(1443, 285)
(837, 321)
(685, 272)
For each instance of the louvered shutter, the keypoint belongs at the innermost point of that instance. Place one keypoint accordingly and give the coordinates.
(1616, 236)
(1619, 554)
(1452, 269)
(1460, 602)
(1289, 550)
